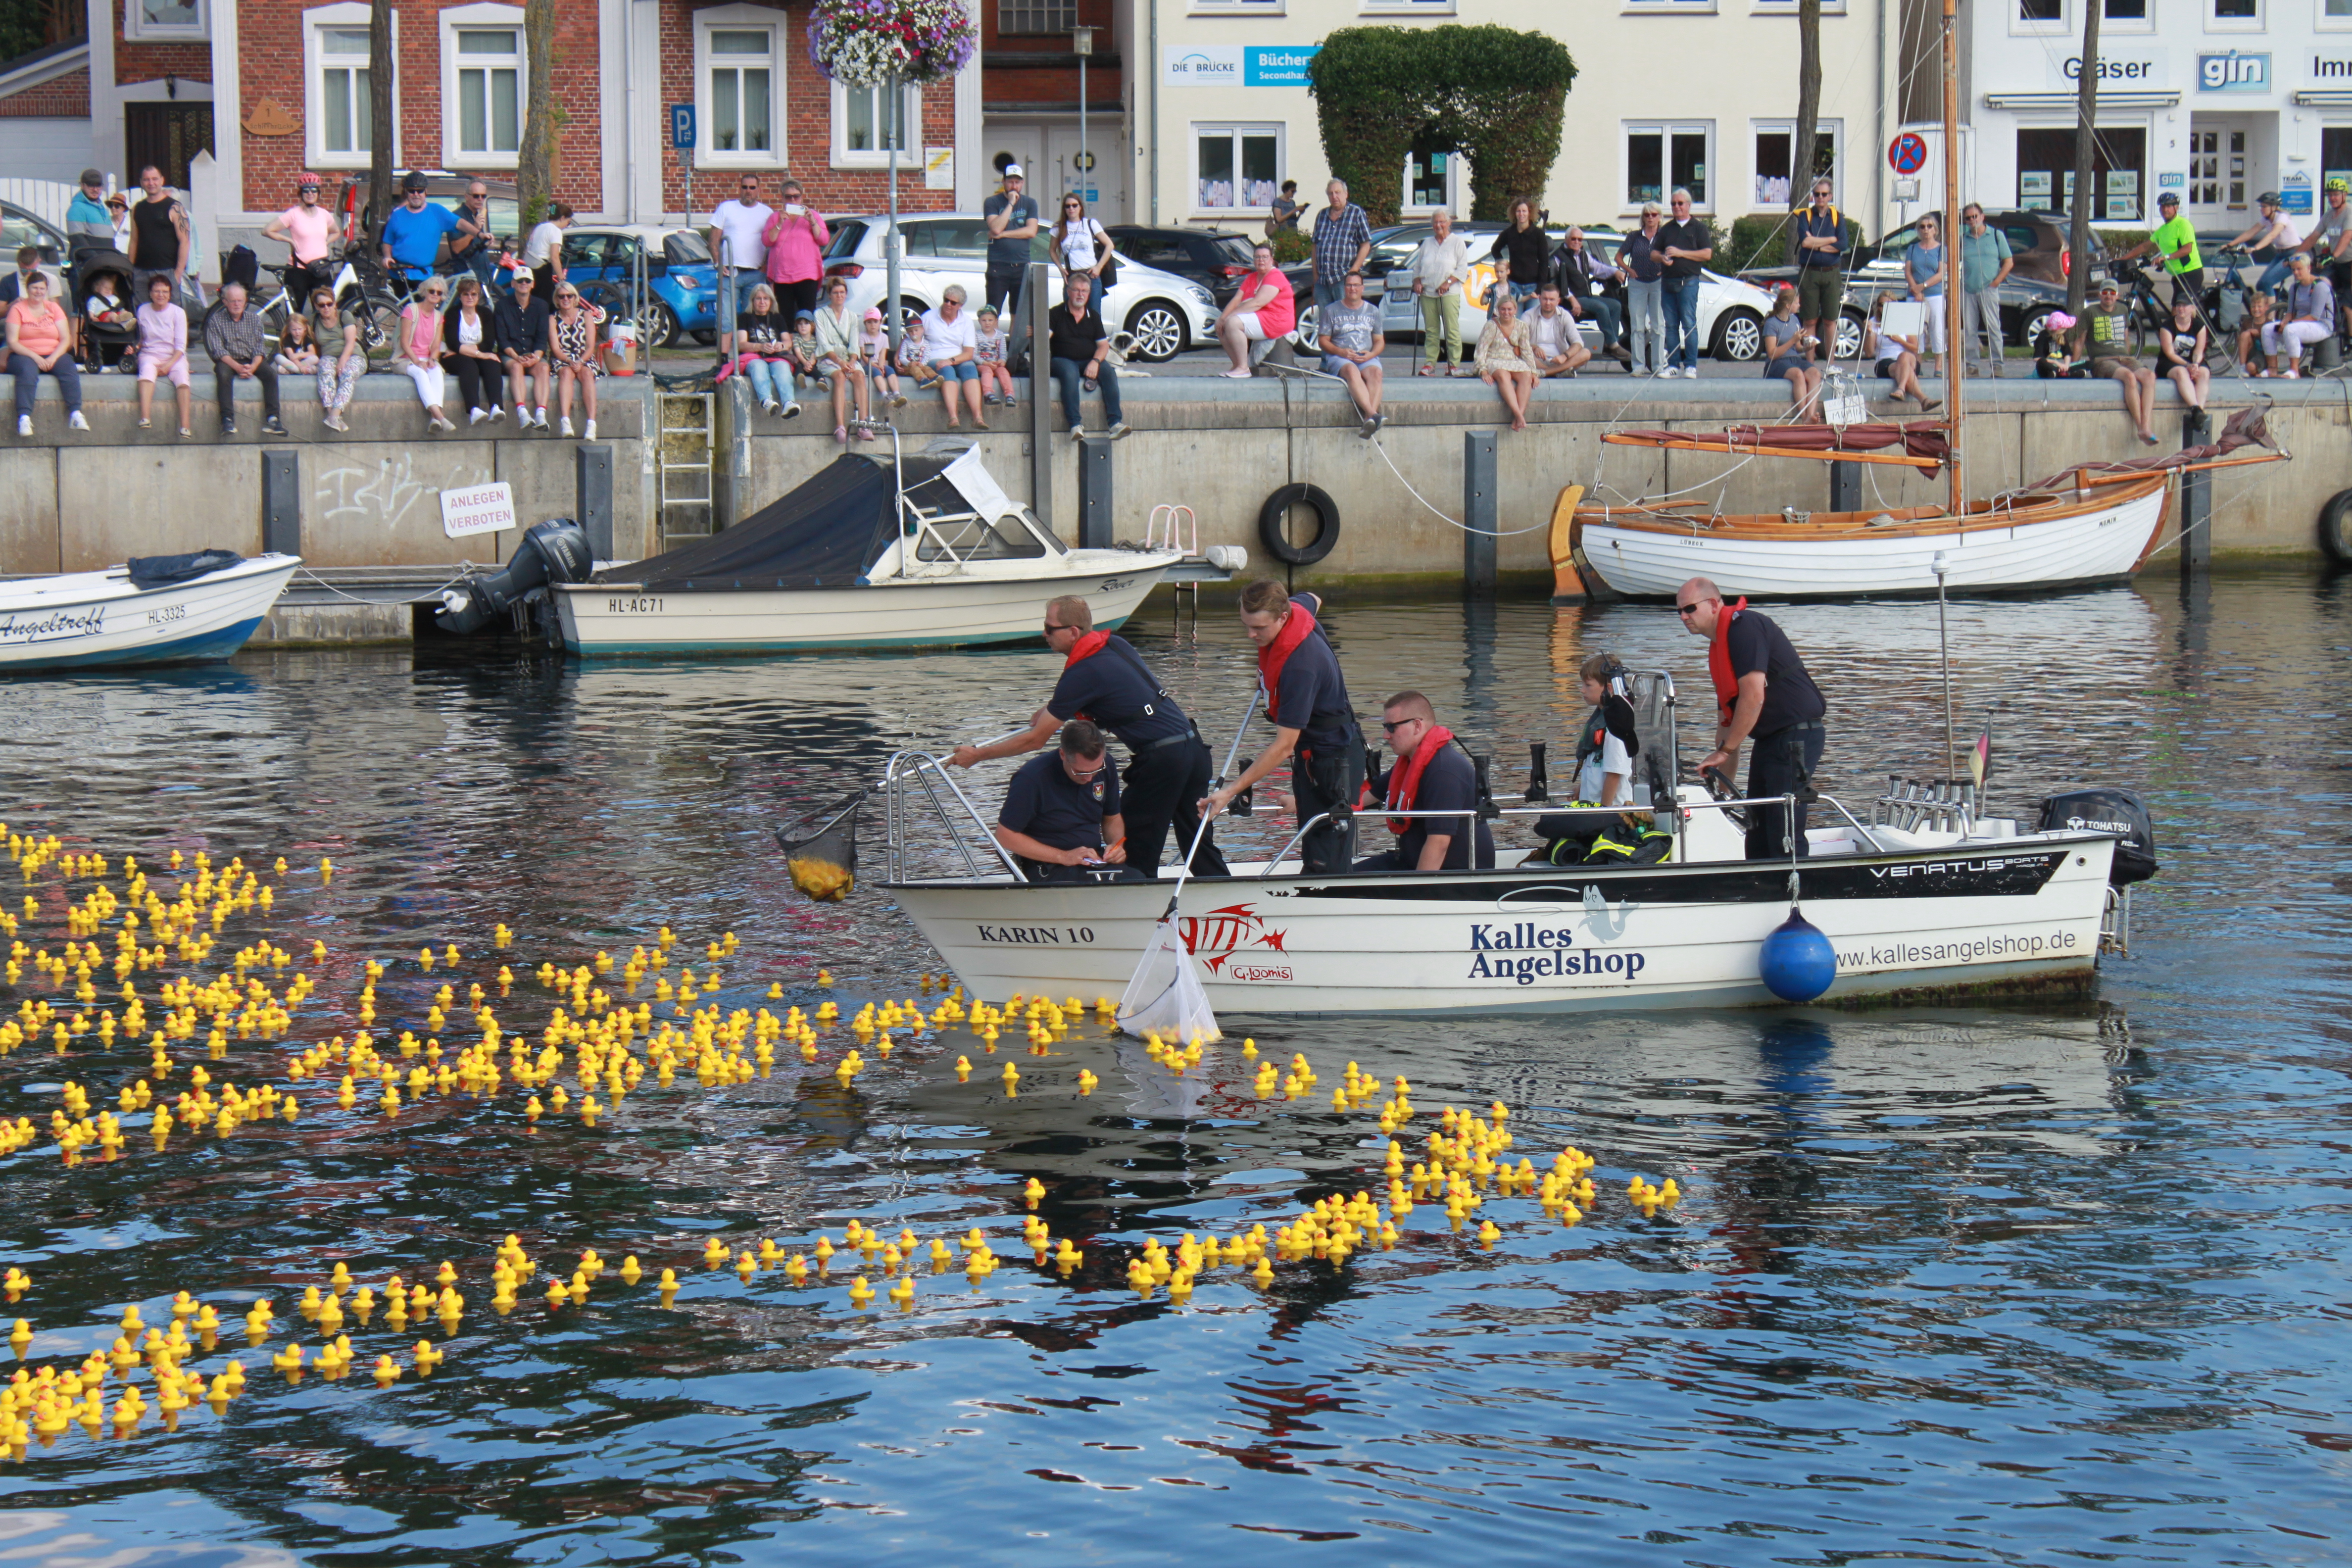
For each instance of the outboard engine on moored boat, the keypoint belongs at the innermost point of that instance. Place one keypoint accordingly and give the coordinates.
(555, 551)
(2108, 810)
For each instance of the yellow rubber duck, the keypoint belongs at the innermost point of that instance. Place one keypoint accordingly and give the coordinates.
(715, 1253)
(387, 1372)
(860, 1293)
(903, 1293)
(428, 1358)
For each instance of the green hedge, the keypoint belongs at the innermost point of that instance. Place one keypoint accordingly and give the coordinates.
(1290, 246)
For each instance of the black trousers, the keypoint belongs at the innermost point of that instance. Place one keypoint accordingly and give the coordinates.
(1778, 763)
(1004, 287)
(480, 380)
(224, 381)
(1320, 784)
(1162, 789)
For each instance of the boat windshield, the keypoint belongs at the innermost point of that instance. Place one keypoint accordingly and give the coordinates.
(970, 539)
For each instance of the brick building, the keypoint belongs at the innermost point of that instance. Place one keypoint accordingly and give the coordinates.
(1030, 81)
(154, 81)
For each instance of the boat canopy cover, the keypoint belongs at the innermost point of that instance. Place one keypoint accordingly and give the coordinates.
(823, 533)
(163, 570)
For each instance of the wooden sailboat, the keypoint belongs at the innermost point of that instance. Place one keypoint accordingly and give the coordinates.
(2090, 524)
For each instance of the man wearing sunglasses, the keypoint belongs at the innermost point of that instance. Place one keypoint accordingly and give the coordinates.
(1763, 693)
(1061, 818)
(1106, 681)
(739, 227)
(1432, 772)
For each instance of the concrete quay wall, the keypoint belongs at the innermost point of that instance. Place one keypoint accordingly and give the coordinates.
(368, 499)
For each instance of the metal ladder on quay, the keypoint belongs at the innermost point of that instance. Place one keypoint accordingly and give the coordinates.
(686, 450)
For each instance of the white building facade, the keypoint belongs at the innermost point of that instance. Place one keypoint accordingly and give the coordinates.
(1699, 94)
(2216, 100)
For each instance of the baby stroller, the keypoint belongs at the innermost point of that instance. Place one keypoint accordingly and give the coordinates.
(104, 344)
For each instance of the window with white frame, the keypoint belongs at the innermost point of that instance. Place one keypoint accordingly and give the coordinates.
(2335, 15)
(2127, 16)
(1432, 177)
(481, 83)
(1236, 168)
(2037, 17)
(1705, 7)
(164, 19)
(2233, 15)
(1660, 158)
(1415, 7)
(1259, 8)
(1789, 7)
(739, 85)
(1775, 145)
(340, 128)
(862, 128)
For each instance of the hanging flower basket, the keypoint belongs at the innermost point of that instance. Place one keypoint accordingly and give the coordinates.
(863, 42)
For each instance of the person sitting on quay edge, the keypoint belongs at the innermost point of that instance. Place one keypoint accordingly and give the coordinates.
(233, 339)
(525, 328)
(2109, 325)
(1507, 358)
(469, 350)
(1061, 815)
(2249, 336)
(40, 340)
(1349, 333)
(952, 348)
(1579, 274)
(417, 349)
(1314, 723)
(1552, 332)
(2180, 351)
(1763, 692)
(1079, 346)
(1104, 679)
(1432, 772)
(2308, 316)
(2058, 349)
(1788, 351)
(1894, 356)
(1261, 310)
(163, 350)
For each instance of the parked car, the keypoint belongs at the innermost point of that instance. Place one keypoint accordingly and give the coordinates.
(1164, 313)
(2037, 246)
(681, 280)
(19, 226)
(1216, 259)
(444, 189)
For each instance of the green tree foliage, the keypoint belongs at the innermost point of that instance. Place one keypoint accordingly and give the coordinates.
(26, 25)
(1495, 94)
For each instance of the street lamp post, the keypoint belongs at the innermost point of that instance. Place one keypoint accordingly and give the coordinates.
(894, 132)
(1082, 44)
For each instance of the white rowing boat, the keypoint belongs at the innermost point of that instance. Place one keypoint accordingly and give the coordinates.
(121, 617)
(924, 551)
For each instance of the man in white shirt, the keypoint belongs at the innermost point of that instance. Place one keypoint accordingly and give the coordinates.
(739, 227)
(1559, 348)
(1441, 269)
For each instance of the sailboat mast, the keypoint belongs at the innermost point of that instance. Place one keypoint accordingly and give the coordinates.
(1956, 357)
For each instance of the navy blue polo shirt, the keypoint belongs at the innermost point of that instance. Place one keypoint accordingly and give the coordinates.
(1117, 691)
(1312, 697)
(1051, 808)
(1450, 782)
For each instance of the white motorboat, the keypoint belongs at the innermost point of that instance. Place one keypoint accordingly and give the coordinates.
(1925, 899)
(920, 551)
(161, 610)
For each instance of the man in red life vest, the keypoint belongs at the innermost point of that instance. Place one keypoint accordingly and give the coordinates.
(1433, 772)
(1308, 699)
(1762, 693)
(1105, 681)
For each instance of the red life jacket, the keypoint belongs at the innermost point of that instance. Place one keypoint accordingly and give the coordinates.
(1275, 654)
(1086, 647)
(1404, 779)
(1718, 662)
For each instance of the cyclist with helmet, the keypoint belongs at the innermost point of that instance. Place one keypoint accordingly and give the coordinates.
(2176, 241)
(413, 231)
(305, 230)
(2330, 241)
(2269, 240)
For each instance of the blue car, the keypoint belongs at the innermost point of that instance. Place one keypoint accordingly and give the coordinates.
(681, 281)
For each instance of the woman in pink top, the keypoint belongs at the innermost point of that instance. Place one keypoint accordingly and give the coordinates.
(419, 352)
(163, 350)
(1261, 310)
(796, 237)
(40, 338)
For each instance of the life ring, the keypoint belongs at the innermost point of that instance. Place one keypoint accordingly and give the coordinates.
(2335, 528)
(1275, 512)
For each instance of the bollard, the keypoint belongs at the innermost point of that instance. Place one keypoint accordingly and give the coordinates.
(2196, 501)
(1041, 393)
(282, 501)
(1845, 487)
(1096, 518)
(592, 495)
(1478, 512)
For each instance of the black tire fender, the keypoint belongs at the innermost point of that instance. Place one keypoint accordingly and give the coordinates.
(1277, 512)
(2335, 528)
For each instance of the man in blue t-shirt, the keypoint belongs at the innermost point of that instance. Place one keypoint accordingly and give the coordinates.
(1105, 680)
(1306, 698)
(1061, 816)
(1011, 219)
(412, 232)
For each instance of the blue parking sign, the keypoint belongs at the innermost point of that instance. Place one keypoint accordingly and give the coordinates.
(681, 127)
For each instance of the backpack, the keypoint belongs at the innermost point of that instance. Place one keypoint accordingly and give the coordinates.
(242, 267)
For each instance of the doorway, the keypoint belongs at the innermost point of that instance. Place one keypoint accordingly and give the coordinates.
(1049, 152)
(168, 135)
(2232, 160)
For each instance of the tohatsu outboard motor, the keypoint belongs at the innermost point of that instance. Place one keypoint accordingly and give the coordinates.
(555, 551)
(2108, 810)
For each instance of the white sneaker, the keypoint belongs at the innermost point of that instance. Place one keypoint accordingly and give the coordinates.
(792, 410)
(497, 413)
(538, 418)
(74, 421)
(567, 424)
(477, 415)
(25, 425)
(588, 431)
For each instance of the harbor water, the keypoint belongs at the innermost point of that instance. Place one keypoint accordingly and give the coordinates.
(2049, 1280)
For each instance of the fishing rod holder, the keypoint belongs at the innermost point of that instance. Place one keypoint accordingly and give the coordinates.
(1936, 805)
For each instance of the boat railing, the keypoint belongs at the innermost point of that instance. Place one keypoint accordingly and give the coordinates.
(912, 772)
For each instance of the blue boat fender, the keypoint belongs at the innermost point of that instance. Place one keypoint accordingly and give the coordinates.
(1798, 963)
